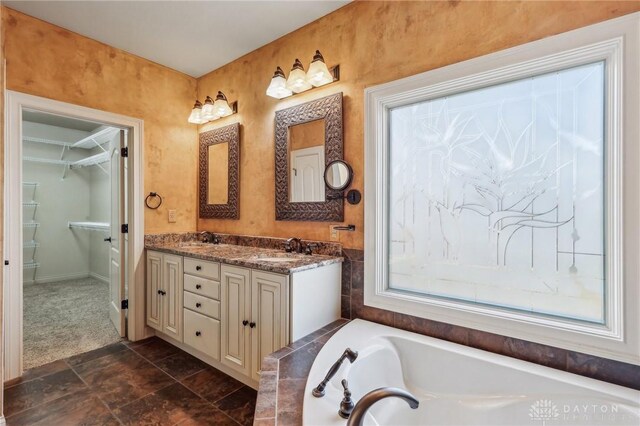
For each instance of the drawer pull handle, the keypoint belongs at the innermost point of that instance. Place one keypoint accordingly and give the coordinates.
(198, 305)
(198, 268)
(162, 293)
(198, 286)
(245, 322)
(252, 324)
(198, 333)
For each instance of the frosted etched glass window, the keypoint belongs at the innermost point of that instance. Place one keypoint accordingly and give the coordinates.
(497, 195)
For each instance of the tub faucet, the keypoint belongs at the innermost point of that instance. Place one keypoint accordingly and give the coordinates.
(349, 354)
(360, 410)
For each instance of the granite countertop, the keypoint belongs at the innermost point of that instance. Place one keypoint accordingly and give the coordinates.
(284, 377)
(250, 257)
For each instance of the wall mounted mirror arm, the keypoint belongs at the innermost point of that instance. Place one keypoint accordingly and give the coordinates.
(338, 175)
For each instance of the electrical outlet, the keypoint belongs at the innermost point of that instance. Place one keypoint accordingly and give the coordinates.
(172, 216)
(334, 234)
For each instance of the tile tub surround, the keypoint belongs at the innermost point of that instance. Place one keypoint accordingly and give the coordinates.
(353, 307)
(239, 255)
(284, 376)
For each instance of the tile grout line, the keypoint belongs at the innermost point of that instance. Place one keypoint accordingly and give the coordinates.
(95, 394)
(50, 400)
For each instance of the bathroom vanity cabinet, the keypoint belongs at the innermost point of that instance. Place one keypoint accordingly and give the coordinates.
(232, 316)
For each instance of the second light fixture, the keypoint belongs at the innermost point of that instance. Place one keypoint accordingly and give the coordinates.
(212, 110)
(299, 80)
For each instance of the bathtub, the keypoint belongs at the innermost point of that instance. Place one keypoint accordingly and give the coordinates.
(457, 385)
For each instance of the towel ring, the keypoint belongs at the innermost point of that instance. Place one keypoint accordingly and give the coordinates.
(153, 195)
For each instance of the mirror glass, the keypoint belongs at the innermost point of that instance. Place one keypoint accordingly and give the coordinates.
(306, 162)
(218, 173)
(338, 175)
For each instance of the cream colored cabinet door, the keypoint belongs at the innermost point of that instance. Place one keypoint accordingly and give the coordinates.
(154, 288)
(172, 285)
(235, 312)
(269, 314)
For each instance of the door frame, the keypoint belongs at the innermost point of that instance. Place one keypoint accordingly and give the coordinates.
(15, 103)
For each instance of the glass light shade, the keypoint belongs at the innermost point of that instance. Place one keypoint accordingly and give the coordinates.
(208, 111)
(278, 86)
(221, 106)
(196, 114)
(297, 81)
(318, 74)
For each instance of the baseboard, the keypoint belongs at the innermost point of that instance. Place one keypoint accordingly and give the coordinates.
(99, 277)
(2, 421)
(53, 278)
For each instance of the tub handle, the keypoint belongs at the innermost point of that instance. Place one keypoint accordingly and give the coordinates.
(349, 354)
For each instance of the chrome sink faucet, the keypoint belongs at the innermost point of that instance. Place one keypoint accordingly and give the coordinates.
(208, 237)
(360, 410)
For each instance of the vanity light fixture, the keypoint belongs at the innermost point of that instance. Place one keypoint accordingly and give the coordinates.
(196, 114)
(208, 113)
(212, 110)
(318, 74)
(297, 81)
(300, 81)
(278, 86)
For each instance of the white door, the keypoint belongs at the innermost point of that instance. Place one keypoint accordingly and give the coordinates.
(307, 174)
(116, 254)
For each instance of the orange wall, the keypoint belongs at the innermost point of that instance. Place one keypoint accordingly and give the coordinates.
(49, 61)
(374, 42)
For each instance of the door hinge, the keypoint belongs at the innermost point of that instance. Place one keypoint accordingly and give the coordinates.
(124, 304)
(124, 228)
(6, 263)
(124, 152)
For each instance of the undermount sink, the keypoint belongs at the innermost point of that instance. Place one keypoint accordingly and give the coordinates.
(276, 259)
(195, 244)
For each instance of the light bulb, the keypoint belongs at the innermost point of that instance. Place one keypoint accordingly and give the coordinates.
(318, 74)
(278, 86)
(297, 81)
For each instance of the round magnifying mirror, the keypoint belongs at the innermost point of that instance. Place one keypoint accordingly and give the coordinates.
(338, 175)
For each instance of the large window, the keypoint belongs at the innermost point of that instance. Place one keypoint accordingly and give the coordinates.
(498, 197)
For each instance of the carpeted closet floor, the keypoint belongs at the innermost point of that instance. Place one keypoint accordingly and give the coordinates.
(65, 318)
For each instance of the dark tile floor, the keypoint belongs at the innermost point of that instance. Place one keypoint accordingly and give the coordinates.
(149, 382)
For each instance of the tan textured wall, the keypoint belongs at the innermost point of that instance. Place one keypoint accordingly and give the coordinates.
(374, 42)
(49, 61)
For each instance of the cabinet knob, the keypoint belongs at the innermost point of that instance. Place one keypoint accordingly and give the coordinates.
(245, 322)
(198, 333)
(198, 305)
(198, 268)
(252, 324)
(198, 286)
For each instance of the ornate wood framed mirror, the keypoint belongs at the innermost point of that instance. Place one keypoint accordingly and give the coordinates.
(219, 174)
(307, 138)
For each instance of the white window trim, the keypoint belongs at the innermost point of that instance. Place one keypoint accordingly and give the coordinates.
(617, 42)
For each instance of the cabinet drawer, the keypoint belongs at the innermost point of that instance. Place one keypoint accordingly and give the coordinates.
(202, 286)
(202, 268)
(202, 305)
(202, 333)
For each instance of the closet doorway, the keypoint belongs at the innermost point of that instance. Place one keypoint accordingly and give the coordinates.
(69, 212)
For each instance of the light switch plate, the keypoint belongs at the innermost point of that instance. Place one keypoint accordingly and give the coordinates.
(334, 234)
(172, 216)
